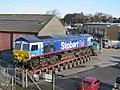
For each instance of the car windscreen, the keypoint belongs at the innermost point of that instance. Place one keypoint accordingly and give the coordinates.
(86, 83)
(17, 46)
(118, 44)
(118, 80)
(25, 47)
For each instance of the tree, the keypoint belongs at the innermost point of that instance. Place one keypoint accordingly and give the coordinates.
(103, 17)
(54, 12)
(74, 18)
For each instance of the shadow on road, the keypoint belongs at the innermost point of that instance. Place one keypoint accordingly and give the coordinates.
(116, 66)
(116, 57)
(68, 84)
(76, 84)
(115, 61)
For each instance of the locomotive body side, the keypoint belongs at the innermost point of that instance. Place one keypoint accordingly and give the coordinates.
(70, 44)
(62, 45)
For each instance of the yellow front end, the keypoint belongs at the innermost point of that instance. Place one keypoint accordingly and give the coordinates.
(23, 56)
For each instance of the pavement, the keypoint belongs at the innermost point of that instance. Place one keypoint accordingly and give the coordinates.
(104, 59)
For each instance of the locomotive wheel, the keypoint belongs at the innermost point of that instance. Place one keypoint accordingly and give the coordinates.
(59, 57)
(31, 63)
(76, 53)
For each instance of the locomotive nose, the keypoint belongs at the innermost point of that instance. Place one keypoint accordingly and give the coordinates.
(21, 55)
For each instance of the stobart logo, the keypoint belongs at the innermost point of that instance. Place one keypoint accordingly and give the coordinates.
(68, 45)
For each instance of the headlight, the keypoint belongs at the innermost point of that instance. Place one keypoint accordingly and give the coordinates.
(26, 57)
(15, 56)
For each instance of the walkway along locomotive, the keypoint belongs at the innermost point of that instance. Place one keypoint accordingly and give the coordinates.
(50, 51)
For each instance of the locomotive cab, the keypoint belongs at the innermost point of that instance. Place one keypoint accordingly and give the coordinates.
(25, 49)
(21, 51)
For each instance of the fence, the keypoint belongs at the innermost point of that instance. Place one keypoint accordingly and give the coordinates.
(10, 76)
(7, 77)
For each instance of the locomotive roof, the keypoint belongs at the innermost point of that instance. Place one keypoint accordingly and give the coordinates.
(58, 37)
(62, 37)
(28, 39)
(31, 39)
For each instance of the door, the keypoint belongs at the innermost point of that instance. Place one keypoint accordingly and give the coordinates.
(36, 49)
(96, 85)
(119, 36)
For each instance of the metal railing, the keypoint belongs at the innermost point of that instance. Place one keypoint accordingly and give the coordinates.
(7, 76)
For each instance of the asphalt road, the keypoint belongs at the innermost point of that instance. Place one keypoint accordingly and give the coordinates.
(105, 67)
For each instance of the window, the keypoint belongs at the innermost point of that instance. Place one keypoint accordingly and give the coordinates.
(86, 83)
(118, 35)
(52, 48)
(46, 48)
(34, 47)
(96, 82)
(26, 47)
(17, 46)
(118, 80)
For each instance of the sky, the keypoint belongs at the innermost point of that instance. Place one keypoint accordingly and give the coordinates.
(111, 7)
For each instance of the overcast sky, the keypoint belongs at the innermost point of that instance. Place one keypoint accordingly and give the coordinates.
(63, 6)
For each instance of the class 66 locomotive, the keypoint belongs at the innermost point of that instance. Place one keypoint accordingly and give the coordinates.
(43, 50)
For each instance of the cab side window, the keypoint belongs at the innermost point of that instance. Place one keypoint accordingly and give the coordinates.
(34, 47)
(46, 48)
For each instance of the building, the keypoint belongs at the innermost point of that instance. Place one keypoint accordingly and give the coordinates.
(113, 33)
(109, 31)
(13, 26)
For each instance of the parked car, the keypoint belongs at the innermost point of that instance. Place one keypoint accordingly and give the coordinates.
(116, 46)
(117, 83)
(89, 83)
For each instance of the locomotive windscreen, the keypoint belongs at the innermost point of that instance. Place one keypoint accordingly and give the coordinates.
(17, 46)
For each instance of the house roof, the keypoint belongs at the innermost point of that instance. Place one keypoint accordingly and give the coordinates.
(32, 23)
(102, 23)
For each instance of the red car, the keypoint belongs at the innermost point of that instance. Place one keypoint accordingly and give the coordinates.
(89, 83)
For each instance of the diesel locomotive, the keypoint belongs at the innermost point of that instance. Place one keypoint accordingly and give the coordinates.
(44, 50)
